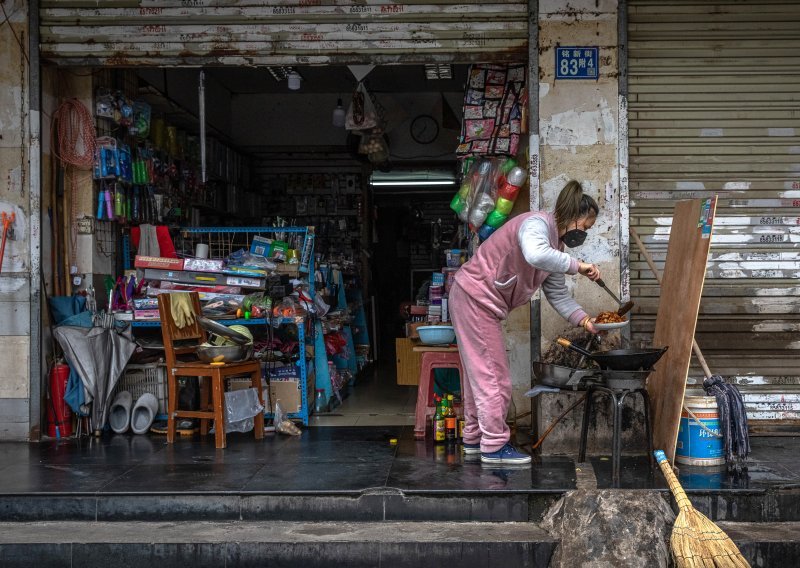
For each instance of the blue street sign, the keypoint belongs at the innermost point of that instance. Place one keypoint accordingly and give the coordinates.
(577, 62)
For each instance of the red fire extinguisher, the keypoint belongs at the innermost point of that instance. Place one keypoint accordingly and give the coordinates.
(59, 414)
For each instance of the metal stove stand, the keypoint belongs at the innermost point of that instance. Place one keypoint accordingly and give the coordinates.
(617, 396)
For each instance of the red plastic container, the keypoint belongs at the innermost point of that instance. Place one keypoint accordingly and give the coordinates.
(59, 412)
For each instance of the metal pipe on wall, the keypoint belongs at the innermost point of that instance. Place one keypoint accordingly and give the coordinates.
(201, 103)
(534, 180)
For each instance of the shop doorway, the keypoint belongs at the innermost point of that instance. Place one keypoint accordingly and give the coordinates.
(274, 156)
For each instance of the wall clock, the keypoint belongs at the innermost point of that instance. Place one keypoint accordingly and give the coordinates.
(424, 129)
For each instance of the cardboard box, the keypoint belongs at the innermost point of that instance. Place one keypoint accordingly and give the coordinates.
(180, 276)
(411, 329)
(146, 315)
(145, 303)
(241, 383)
(158, 262)
(288, 269)
(260, 246)
(288, 393)
(203, 265)
(285, 373)
(202, 278)
(243, 282)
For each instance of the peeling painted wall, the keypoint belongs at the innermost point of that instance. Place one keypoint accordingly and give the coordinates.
(578, 125)
(15, 290)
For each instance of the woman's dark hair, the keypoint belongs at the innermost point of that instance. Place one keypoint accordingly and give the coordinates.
(572, 204)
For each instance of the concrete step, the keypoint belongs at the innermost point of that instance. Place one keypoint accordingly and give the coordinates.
(273, 544)
(766, 545)
(772, 505)
(382, 504)
(317, 544)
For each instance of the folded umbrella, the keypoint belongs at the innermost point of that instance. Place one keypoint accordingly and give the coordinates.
(99, 356)
(72, 311)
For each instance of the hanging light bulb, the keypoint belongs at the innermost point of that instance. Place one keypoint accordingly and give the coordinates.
(338, 114)
(293, 80)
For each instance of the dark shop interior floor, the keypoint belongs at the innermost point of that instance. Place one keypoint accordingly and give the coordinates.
(375, 401)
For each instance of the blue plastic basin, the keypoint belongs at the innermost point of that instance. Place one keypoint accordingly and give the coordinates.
(436, 334)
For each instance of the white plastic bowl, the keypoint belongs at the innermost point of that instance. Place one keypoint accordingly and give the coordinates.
(436, 334)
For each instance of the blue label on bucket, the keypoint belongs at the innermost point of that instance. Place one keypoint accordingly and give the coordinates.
(696, 443)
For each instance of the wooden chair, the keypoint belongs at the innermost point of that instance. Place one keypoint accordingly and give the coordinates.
(182, 342)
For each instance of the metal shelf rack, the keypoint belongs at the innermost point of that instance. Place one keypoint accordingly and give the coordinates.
(222, 242)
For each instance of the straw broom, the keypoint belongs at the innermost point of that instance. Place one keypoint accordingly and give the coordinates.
(697, 542)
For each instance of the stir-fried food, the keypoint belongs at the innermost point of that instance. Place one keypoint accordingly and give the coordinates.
(609, 317)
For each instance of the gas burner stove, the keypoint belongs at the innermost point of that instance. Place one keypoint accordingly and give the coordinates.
(568, 378)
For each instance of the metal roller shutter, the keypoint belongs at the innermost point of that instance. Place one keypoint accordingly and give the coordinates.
(281, 32)
(714, 108)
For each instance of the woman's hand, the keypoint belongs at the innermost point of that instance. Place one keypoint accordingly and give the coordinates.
(587, 323)
(591, 271)
(590, 327)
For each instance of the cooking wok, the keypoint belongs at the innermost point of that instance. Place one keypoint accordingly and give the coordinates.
(558, 376)
(619, 359)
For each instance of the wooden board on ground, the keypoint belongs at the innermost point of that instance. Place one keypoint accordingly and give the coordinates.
(681, 288)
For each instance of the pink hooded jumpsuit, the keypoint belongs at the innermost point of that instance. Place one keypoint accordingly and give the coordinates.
(521, 256)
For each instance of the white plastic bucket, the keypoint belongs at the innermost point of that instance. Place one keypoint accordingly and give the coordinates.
(699, 436)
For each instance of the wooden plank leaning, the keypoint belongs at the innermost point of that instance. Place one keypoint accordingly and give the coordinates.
(681, 289)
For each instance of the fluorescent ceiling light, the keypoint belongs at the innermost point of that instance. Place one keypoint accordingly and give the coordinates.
(400, 183)
(412, 178)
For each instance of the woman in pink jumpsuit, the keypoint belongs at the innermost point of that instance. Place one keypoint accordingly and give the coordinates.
(525, 254)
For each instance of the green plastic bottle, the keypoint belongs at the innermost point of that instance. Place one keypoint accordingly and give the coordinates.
(439, 426)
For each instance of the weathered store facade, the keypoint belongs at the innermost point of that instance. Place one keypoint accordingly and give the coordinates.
(690, 101)
(713, 108)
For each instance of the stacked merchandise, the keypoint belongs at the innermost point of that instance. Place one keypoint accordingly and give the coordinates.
(148, 171)
(262, 284)
(495, 103)
(331, 202)
(434, 310)
(435, 298)
(487, 194)
(221, 286)
(236, 286)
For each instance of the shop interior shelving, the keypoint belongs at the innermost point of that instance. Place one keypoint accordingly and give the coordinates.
(222, 242)
(348, 362)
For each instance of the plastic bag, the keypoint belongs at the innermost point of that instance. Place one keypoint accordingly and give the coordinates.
(219, 308)
(240, 408)
(282, 423)
(335, 343)
(361, 114)
(246, 259)
(320, 306)
(141, 120)
(483, 191)
(288, 308)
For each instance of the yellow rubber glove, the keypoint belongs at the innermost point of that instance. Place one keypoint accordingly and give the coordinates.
(182, 309)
